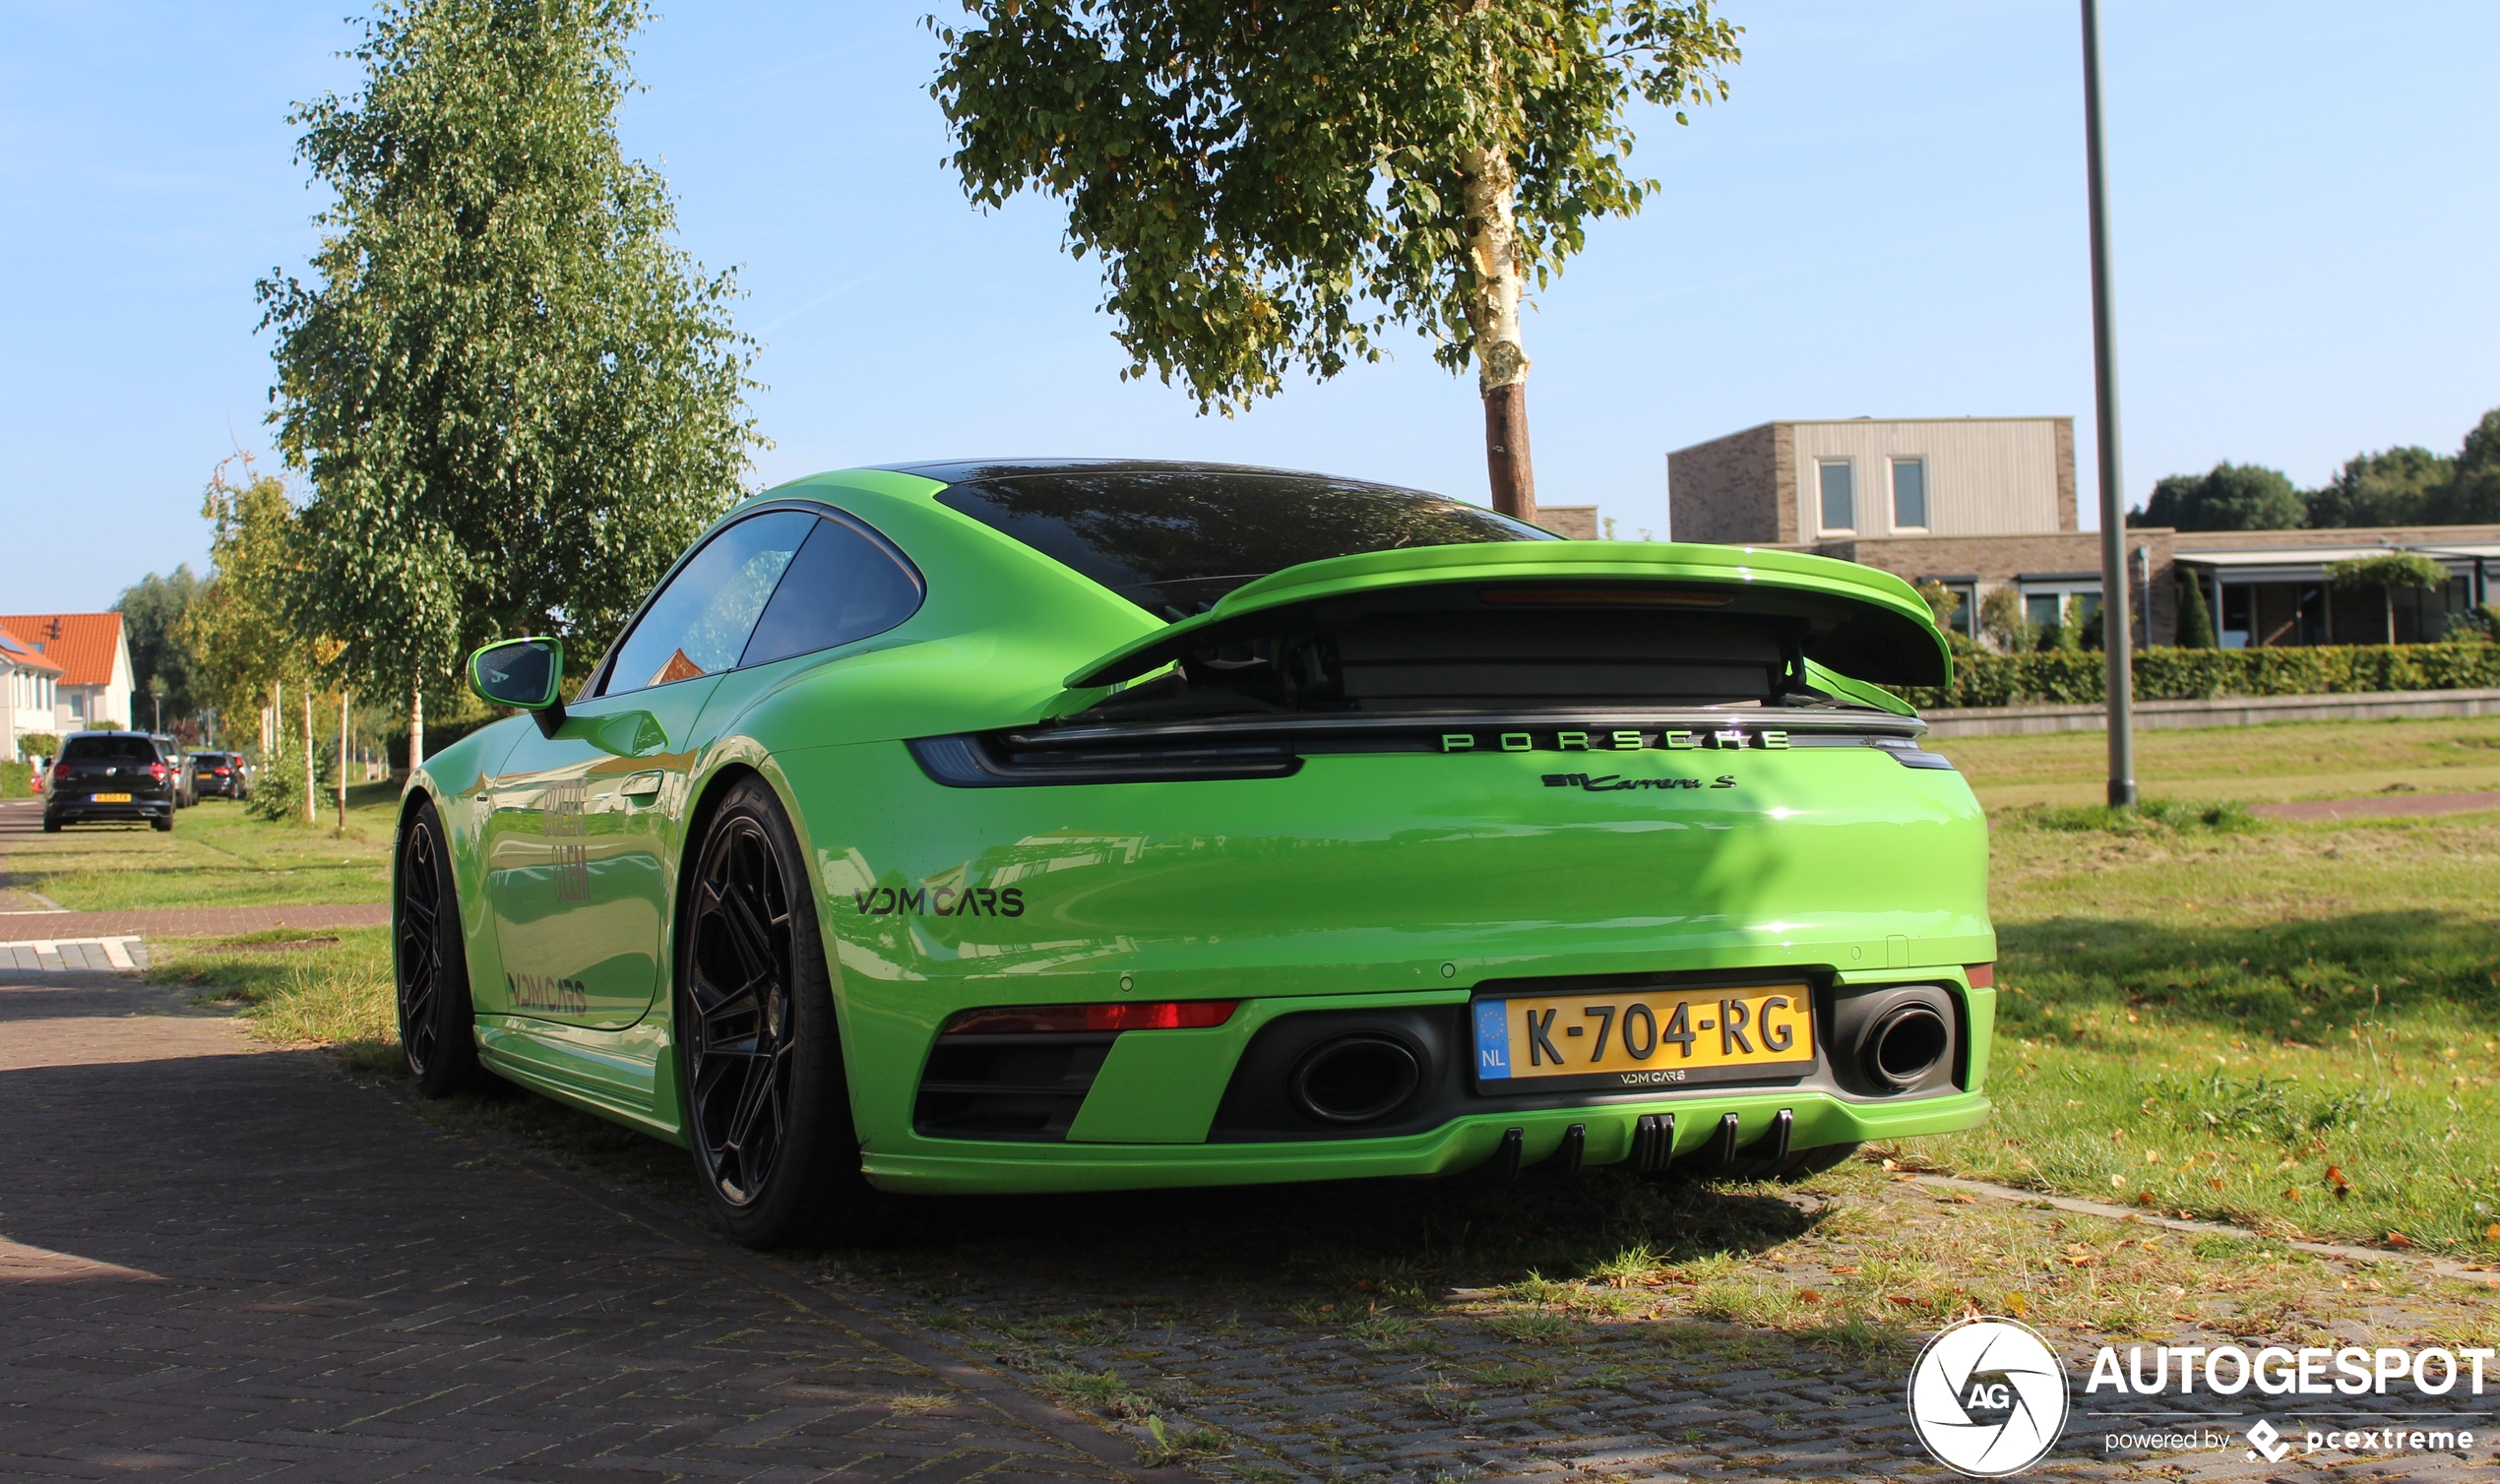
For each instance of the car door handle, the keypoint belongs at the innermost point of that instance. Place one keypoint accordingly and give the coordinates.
(641, 785)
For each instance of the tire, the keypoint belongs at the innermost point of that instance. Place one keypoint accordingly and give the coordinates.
(52, 826)
(767, 1103)
(163, 823)
(438, 1035)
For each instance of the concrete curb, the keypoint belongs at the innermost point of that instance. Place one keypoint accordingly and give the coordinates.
(2443, 1266)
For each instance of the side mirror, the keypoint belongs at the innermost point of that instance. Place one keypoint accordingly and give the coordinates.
(528, 673)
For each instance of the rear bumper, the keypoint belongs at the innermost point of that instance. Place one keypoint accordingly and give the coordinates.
(140, 810)
(1819, 1119)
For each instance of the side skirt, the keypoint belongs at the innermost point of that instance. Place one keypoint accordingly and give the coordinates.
(614, 1073)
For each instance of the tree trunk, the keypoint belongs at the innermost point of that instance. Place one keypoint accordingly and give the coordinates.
(1492, 312)
(2388, 592)
(343, 761)
(312, 810)
(416, 726)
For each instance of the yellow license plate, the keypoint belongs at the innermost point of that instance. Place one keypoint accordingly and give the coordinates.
(1646, 1037)
(112, 798)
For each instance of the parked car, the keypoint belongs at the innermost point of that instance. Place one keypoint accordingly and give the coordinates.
(186, 786)
(1023, 826)
(222, 774)
(111, 777)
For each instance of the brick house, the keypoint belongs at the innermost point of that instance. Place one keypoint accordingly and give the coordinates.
(1982, 503)
(94, 652)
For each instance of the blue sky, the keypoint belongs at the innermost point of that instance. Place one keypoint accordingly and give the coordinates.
(1886, 218)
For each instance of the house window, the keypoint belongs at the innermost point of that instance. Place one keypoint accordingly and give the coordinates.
(1909, 494)
(1839, 494)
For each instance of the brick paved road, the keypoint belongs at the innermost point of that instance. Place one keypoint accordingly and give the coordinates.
(222, 1260)
(218, 1260)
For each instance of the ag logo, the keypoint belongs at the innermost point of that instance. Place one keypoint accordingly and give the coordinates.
(1988, 1397)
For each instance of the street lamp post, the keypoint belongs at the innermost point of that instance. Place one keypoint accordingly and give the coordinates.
(2116, 640)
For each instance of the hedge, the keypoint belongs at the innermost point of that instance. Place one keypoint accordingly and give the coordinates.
(2165, 674)
(17, 780)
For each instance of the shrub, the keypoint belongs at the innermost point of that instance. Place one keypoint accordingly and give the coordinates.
(2168, 674)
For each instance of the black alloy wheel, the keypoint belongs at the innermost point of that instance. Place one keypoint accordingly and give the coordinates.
(768, 1109)
(437, 1026)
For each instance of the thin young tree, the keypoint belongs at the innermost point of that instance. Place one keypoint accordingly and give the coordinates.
(516, 399)
(1271, 184)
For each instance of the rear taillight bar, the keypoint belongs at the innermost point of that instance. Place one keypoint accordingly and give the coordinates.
(1050, 1020)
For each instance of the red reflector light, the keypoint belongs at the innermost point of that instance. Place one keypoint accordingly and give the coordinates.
(1061, 1020)
(1980, 975)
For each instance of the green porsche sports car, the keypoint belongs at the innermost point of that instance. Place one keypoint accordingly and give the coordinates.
(1068, 825)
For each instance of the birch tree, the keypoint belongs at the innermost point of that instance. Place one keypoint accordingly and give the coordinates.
(1272, 184)
(516, 399)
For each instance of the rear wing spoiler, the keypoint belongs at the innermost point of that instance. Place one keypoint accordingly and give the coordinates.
(1859, 623)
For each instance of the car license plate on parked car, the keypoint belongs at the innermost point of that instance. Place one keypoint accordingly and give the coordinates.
(112, 798)
(1646, 1037)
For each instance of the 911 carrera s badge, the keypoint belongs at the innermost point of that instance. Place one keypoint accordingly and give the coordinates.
(941, 901)
(1613, 782)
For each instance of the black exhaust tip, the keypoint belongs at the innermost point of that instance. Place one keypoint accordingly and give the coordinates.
(1357, 1079)
(1902, 1047)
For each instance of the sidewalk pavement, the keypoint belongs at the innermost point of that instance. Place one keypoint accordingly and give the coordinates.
(224, 1260)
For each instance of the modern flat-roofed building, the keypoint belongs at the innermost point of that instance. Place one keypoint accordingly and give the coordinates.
(1801, 483)
(1982, 503)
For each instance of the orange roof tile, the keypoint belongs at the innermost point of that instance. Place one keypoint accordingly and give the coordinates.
(80, 643)
(23, 655)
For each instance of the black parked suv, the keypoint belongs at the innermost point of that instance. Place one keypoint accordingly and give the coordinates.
(104, 776)
(221, 774)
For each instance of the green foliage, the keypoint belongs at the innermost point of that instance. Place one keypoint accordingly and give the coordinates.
(16, 780)
(234, 627)
(152, 622)
(1941, 600)
(2390, 570)
(2389, 488)
(2471, 495)
(2196, 621)
(2005, 624)
(2228, 497)
(277, 788)
(1273, 185)
(518, 402)
(38, 745)
(2181, 674)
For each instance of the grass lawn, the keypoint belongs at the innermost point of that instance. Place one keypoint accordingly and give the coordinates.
(216, 856)
(2299, 759)
(296, 987)
(2294, 1026)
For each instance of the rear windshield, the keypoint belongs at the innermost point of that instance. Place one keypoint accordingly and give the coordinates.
(1173, 541)
(108, 750)
(211, 758)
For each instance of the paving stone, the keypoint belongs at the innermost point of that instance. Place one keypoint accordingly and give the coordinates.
(265, 1272)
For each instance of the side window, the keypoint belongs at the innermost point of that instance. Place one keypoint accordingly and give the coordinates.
(699, 623)
(841, 587)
